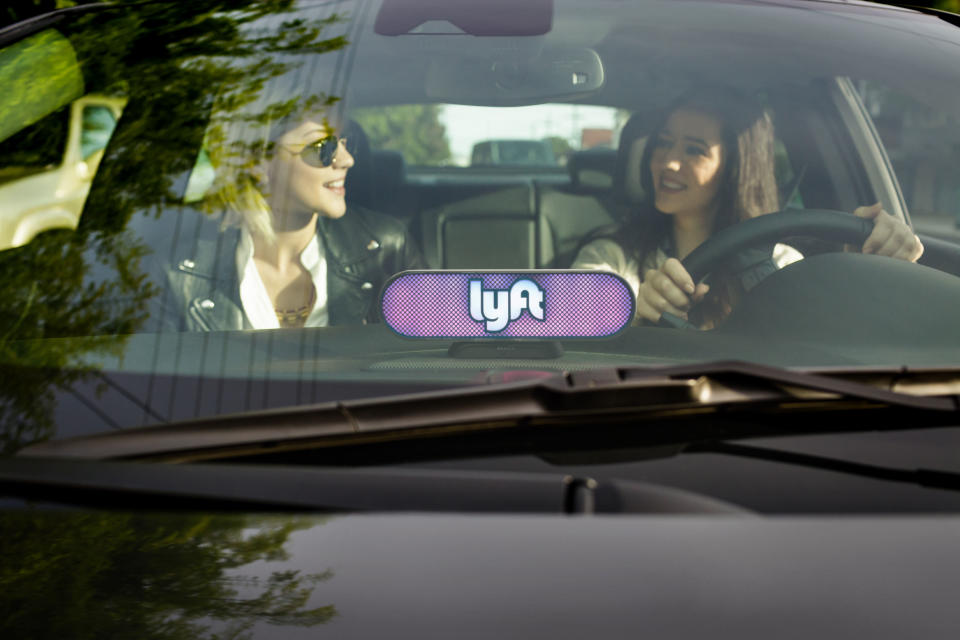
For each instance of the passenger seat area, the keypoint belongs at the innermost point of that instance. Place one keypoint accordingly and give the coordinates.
(481, 221)
(535, 224)
(569, 214)
(495, 230)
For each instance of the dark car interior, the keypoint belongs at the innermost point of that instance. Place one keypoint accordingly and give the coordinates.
(537, 220)
(527, 220)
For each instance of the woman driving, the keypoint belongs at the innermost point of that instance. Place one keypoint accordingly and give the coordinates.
(708, 165)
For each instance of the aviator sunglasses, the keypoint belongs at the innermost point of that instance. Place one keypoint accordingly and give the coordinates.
(323, 152)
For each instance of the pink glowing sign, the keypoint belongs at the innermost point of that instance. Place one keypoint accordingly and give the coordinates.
(507, 304)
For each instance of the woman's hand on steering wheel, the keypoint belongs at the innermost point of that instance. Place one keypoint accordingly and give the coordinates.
(890, 237)
(668, 289)
(871, 230)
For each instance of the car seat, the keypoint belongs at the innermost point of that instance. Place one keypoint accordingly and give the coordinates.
(604, 188)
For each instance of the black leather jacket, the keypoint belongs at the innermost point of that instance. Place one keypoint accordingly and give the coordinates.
(201, 285)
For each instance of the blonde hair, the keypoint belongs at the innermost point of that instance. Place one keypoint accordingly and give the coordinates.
(261, 102)
(241, 143)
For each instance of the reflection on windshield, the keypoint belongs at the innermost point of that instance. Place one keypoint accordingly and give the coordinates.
(115, 575)
(95, 285)
(257, 175)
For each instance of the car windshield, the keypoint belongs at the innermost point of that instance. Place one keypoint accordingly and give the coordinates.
(209, 211)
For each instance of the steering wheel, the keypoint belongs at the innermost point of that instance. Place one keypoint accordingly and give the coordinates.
(834, 226)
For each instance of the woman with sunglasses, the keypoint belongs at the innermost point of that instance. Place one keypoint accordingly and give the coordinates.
(287, 250)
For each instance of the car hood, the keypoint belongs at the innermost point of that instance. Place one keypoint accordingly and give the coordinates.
(479, 576)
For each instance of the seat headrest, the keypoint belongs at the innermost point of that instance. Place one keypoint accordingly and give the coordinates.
(390, 168)
(361, 177)
(626, 177)
(592, 169)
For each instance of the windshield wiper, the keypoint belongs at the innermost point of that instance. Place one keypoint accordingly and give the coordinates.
(749, 372)
(603, 408)
(930, 478)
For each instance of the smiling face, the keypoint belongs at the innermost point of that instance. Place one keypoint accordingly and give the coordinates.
(297, 190)
(686, 164)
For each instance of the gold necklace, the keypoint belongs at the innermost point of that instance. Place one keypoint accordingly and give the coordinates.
(296, 317)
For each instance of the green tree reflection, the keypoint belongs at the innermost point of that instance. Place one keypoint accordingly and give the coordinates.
(173, 62)
(116, 575)
(46, 300)
(412, 129)
(69, 294)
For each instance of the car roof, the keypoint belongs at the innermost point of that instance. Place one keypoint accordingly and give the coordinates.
(736, 43)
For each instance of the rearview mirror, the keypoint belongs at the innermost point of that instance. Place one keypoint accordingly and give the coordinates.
(555, 73)
(488, 18)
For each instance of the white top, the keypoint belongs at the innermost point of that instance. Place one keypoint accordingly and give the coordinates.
(256, 303)
(607, 255)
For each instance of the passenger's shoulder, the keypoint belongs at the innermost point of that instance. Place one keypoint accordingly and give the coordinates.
(183, 234)
(374, 220)
(359, 231)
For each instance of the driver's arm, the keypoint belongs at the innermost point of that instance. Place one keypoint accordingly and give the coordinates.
(890, 237)
(668, 289)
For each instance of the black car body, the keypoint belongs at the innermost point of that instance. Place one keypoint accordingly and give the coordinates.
(793, 472)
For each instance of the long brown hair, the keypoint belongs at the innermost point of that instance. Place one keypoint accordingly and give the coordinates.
(748, 186)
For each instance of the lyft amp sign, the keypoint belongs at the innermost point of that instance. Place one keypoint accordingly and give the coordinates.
(507, 304)
(499, 307)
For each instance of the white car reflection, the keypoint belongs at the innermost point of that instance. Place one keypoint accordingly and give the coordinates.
(40, 191)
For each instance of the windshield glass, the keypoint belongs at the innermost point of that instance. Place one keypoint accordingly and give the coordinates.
(203, 211)
(535, 136)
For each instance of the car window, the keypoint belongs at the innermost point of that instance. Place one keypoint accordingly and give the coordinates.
(921, 138)
(396, 316)
(98, 125)
(459, 135)
(213, 224)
